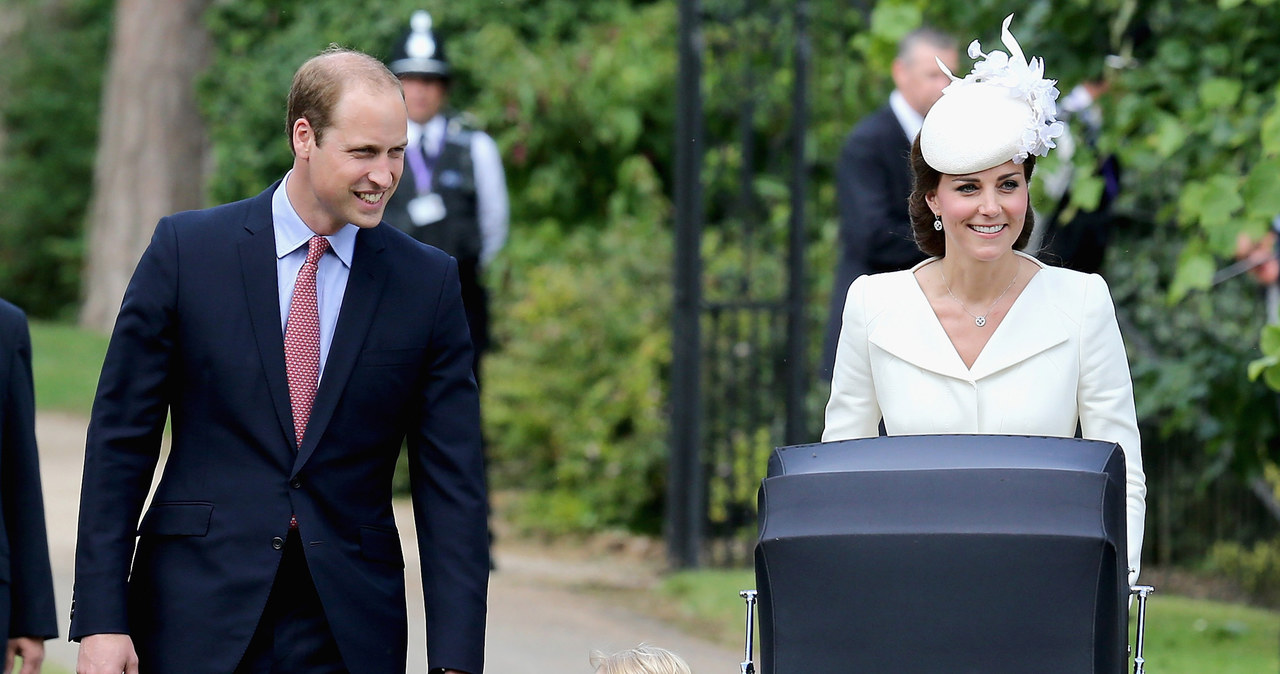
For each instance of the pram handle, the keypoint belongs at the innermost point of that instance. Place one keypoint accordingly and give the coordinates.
(1142, 591)
(748, 666)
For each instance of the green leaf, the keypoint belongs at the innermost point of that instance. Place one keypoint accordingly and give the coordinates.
(1230, 4)
(1270, 341)
(1214, 204)
(1257, 366)
(1271, 128)
(1220, 92)
(1195, 272)
(1262, 190)
(1086, 192)
(1169, 136)
(1191, 202)
(1272, 376)
(1219, 211)
(890, 21)
(772, 188)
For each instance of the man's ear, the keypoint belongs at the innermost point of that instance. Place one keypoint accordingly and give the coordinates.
(897, 70)
(303, 137)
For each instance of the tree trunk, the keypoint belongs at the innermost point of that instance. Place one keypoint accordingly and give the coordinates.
(152, 143)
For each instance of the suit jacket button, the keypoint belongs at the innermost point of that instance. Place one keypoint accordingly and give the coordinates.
(296, 483)
(277, 543)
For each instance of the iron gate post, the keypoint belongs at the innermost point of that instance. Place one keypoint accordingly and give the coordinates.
(798, 375)
(686, 508)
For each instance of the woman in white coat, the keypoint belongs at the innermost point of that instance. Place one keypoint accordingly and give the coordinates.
(982, 338)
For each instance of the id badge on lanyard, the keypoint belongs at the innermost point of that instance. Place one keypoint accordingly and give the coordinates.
(426, 208)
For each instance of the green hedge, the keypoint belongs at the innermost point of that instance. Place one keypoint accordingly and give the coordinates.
(1256, 569)
(581, 100)
(575, 396)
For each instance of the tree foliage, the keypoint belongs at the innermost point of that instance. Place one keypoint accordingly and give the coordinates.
(581, 100)
(50, 115)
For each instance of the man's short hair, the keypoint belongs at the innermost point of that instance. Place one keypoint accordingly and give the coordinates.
(923, 35)
(320, 82)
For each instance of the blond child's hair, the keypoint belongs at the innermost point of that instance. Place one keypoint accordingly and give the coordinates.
(644, 659)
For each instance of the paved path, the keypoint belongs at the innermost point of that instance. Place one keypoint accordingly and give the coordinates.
(540, 621)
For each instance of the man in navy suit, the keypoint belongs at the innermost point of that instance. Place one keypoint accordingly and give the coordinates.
(269, 544)
(873, 176)
(27, 614)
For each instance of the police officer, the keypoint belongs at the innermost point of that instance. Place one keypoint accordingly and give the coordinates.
(453, 194)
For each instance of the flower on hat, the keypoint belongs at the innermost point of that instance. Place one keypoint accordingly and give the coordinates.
(1023, 80)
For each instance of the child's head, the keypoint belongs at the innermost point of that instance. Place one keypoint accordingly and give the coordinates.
(643, 659)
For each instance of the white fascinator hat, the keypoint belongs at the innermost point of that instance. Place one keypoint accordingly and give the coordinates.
(1004, 110)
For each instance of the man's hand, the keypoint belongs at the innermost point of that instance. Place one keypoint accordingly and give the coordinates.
(107, 654)
(30, 650)
(1261, 252)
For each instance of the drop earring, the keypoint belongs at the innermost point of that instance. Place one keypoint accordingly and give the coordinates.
(937, 221)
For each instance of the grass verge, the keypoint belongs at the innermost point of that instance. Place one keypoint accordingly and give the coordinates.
(1184, 636)
(49, 668)
(66, 361)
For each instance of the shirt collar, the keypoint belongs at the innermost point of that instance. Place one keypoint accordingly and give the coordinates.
(292, 233)
(433, 129)
(908, 118)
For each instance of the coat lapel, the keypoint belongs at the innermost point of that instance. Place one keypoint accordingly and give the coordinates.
(909, 330)
(359, 302)
(258, 269)
(1033, 326)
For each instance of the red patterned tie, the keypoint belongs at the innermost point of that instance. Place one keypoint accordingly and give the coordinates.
(302, 338)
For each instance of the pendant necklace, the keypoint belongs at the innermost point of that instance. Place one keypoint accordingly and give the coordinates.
(978, 320)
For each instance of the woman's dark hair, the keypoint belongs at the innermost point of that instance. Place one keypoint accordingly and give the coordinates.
(925, 180)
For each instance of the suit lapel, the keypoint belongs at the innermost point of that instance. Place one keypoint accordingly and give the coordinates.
(359, 302)
(258, 269)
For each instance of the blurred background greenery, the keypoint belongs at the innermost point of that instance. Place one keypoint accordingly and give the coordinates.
(580, 97)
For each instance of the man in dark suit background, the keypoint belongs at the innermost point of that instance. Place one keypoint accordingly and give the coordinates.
(27, 615)
(873, 177)
(294, 342)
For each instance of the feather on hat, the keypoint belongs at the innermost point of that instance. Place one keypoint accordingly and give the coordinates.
(1004, 110)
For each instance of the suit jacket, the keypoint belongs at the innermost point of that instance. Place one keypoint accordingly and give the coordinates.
(873, 183)
(198, 337)
(1055, 361)
(26, 580)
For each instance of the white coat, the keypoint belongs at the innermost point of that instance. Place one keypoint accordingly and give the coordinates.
(1056, 359)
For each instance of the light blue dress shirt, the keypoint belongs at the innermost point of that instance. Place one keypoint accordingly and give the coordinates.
(292, 235)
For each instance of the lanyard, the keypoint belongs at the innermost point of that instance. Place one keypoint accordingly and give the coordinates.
(424, 165)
